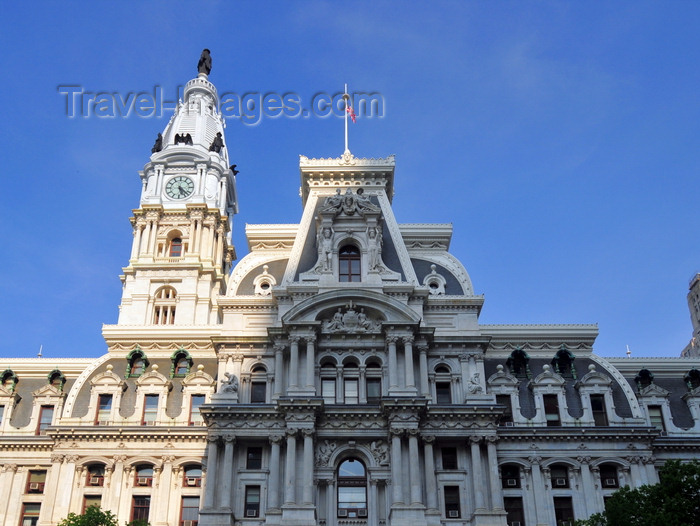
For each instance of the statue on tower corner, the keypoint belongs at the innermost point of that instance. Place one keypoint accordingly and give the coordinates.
(204, 65)
(158, 146)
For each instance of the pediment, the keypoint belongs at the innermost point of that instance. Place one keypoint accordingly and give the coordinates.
(47, 390)
(501, 378)
(653, 390)
(323, 309)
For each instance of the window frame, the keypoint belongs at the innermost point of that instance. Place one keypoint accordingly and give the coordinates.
(32, 480)
(550, 403)
(451, 501)
(351, 481)
(149, 410)
(254, 457)
(33, 518)
(183, 508)
(249, 505)
(349, 264)
(600, 415)
(41, 423)
(134, 507)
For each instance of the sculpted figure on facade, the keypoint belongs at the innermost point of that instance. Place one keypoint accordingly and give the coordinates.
(325, 249)
(380, 451)
(374, 248)
(474, 385)
(230, 384)
(351, 321)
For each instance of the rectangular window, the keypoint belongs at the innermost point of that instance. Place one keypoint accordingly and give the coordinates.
(30, 514)
(510, 476)
(374, 390)
(36, 481)
(104, 409)
(2, 413)
(190, 511)
(449, 457)
(351, 392)
(328, 391)
(600, 415)
(252, 501)
(452, 510)
(443, 392)
(507, 417)
(91, 500)
(656, 417)
(257, 392)
(254, 458)
(514, 509)
(45, 419)
(551, 409)
(140, 507)
(195, 415)
(564, 511)
(560, 476)
(150, 409)
(95, 476)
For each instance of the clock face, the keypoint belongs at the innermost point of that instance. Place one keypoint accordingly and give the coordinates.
(179, 187)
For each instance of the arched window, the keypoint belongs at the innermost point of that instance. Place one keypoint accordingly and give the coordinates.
(349, 264)
(176, 247)
(95, 475)
(518, 365)
(181, 364)
(352, 489)
(328, 376)
(560, 476)
(443, 385)
(164, 306)
(136, 363)
(608, 476)
(258, 385)
(373, 382)
(510, 476)
(192, 476)
(144, 475)
(351, 382)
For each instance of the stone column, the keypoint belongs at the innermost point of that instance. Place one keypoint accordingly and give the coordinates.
(227, 472)
(590, 497)
(541, 504)
(393, 363)
(279, 369)
(273, 485)
(494, 478)
(6, 481)
(293, 363)
(477, 476)
(362, 385)
(464, 366)
(430, 480)
(423, 362)
(414, 467)
(330, 502)
(373, 504)
(308, 480)
(212, 459)
(396, 466)
(408, 358)
(637, 478)
(290, 468)
(310, 384)
(652, 476)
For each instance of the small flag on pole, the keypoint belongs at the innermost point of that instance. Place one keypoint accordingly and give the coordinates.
(351, 111)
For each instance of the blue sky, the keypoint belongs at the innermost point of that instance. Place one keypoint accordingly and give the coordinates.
(559, 138)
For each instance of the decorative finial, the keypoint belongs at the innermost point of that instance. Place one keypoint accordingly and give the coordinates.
(629, 353)
(204, 64)
(41, 348)
(349, 111)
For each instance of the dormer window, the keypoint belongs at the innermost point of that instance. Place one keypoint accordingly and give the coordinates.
(349, 269)
(136, 363)
(56, 379)
(181, 364)
(517, 363)
(644, 379)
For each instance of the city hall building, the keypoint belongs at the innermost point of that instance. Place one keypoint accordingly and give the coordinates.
(337, 375)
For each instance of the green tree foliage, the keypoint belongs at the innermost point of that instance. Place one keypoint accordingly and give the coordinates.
(674, 501)
(93, 516)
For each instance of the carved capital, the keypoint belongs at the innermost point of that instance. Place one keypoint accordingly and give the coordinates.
(57, 459)
(396, 432)
(310, 338)
(294, 339)
(491, 439)
(10, 467)
(428, 439)
(212, 439)
(408, 339)
(475, 439)
(230, 439)
(275, 439)
(279, 347)
(291, 433)
(307, 433)
(392, 339)
(534, 460)
(583, 460)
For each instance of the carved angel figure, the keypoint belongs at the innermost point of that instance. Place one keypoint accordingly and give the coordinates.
(474, 386)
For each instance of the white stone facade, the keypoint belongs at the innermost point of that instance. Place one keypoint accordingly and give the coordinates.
(339, 376)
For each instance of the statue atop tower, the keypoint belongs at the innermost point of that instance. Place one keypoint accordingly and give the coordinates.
(204, 64)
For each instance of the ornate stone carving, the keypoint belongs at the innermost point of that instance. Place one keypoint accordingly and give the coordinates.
(324, 451)
(474, 385)
(230, 384)
(350, 321)
(380, 451)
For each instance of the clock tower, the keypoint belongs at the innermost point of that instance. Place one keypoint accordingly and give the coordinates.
(182, 249)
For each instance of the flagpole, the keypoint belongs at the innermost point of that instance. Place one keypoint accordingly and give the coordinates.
(346, 97)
